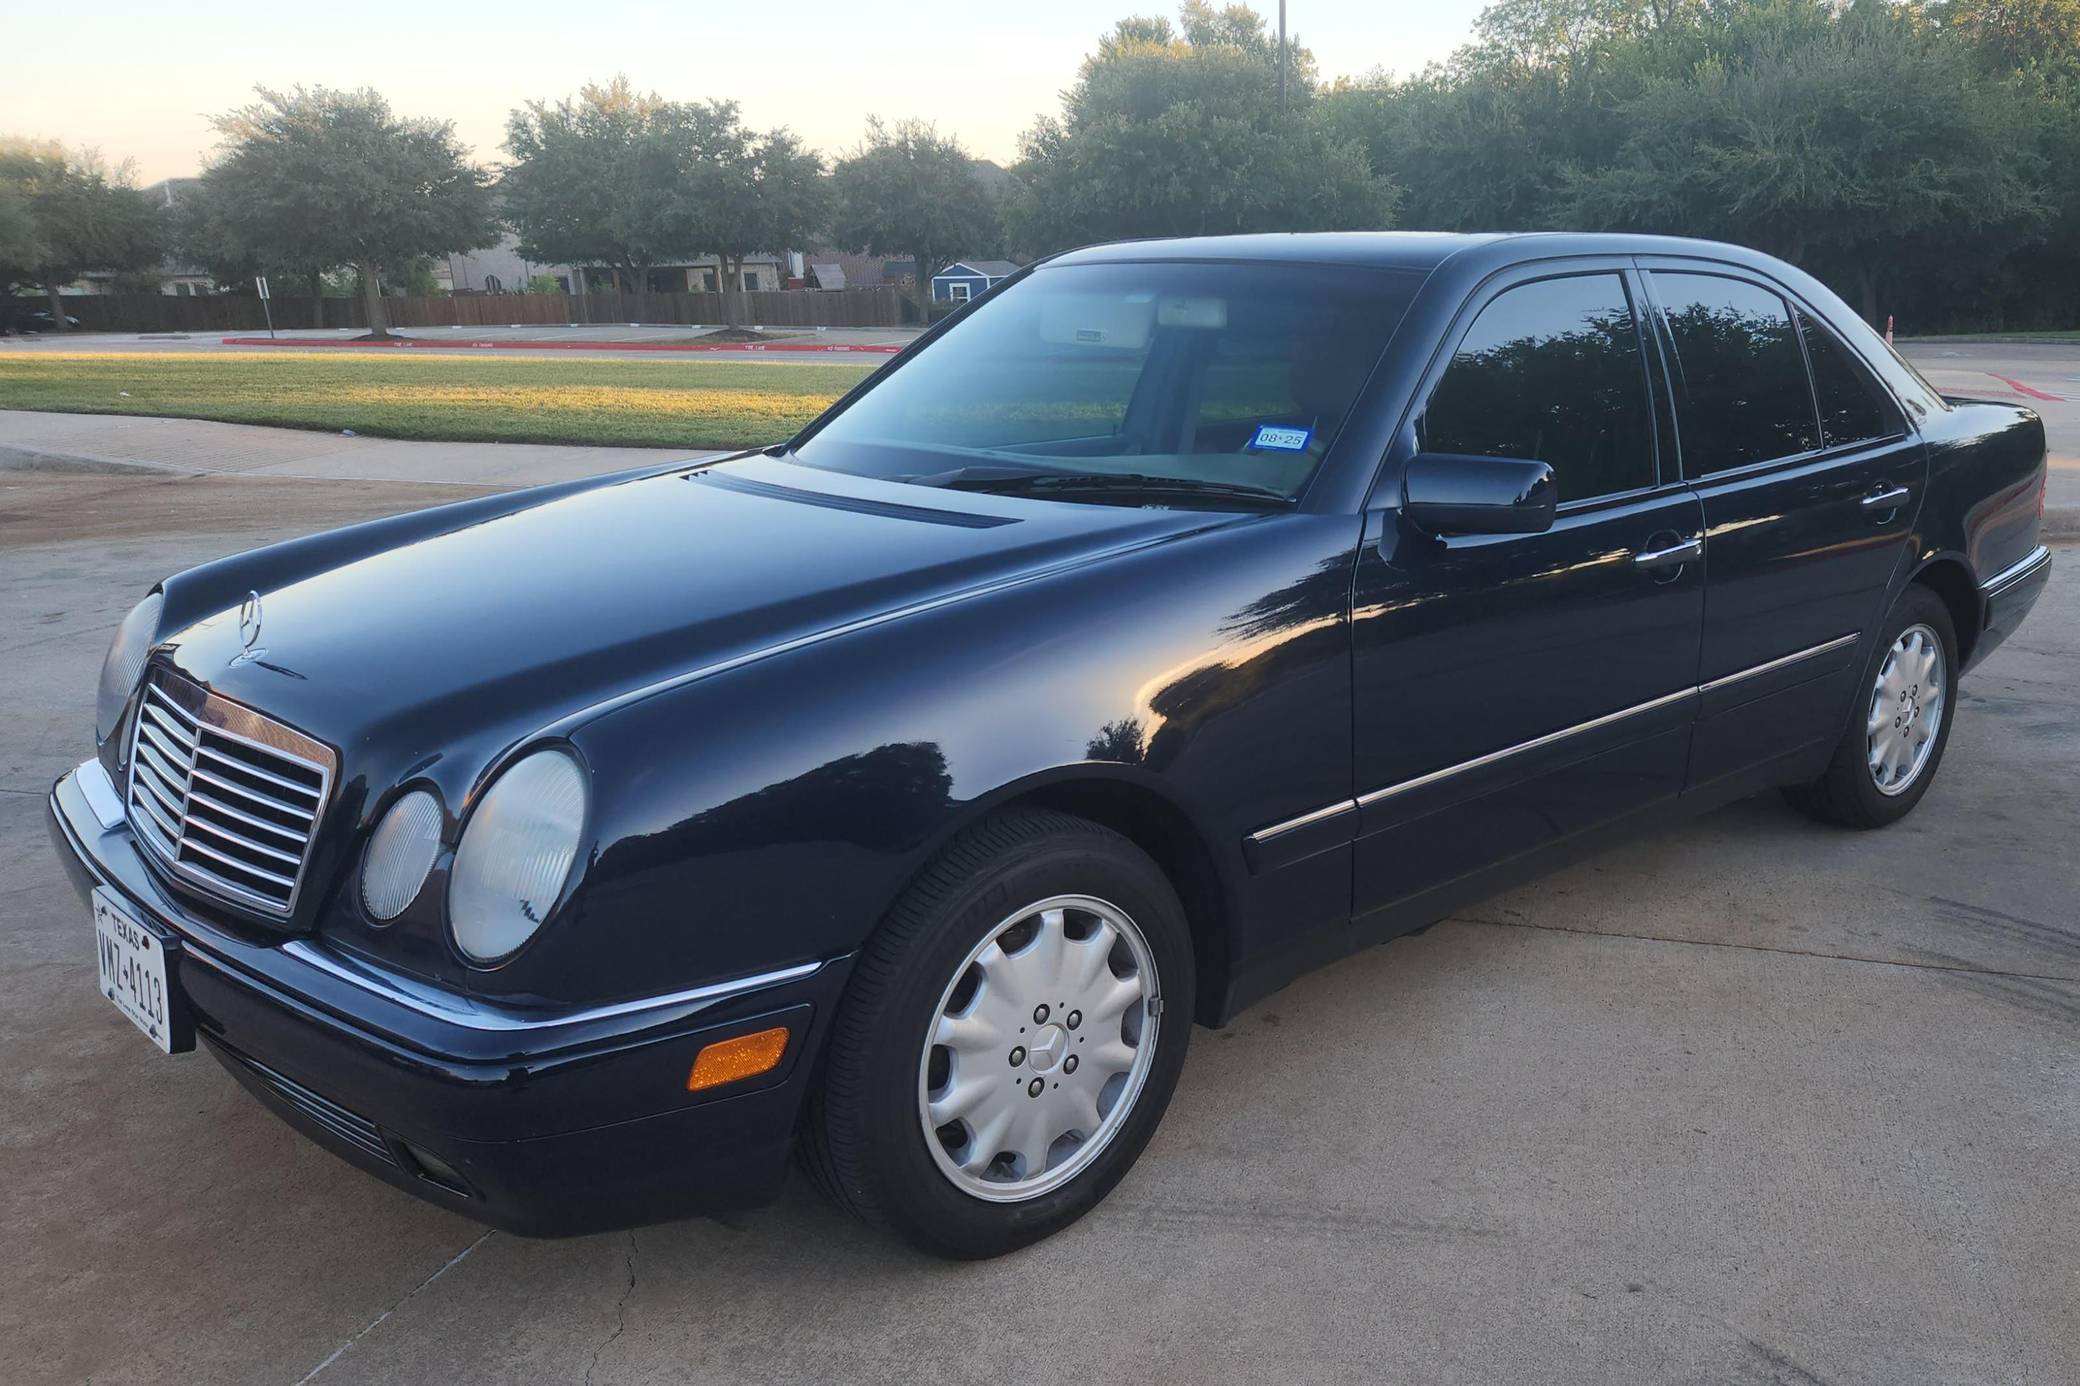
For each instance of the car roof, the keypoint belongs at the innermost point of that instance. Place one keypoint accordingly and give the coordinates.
(1404, 250)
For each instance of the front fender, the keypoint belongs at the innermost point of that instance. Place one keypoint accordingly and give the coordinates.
(773, 812)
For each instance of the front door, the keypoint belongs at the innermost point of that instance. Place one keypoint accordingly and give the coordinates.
(1809, 478)
(1515, 690)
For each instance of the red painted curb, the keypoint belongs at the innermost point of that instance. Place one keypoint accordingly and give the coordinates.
(560, 346)
(2017, 385)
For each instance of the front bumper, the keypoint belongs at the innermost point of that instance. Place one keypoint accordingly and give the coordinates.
(546, 1124)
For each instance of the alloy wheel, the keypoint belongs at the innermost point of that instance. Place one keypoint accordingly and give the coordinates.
(1039, 1047)
(1906, 710)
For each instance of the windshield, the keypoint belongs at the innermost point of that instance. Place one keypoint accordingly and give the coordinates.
(1177, 384)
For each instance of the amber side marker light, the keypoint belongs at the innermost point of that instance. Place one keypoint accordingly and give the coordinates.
(746, 1056)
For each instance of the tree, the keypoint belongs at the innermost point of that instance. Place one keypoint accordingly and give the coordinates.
(1831, 141)
(319, 176)
(750, 192)
(70, 216)
(2013, 35)
(610, 178)
(208, 232)
(761, 192)
(17, 235)
(1179, 132)
(907, 190)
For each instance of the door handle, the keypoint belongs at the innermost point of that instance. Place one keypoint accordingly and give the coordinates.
(1878, 502)
(1674, 556)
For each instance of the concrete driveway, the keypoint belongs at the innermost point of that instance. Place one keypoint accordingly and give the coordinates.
(1747, 1101)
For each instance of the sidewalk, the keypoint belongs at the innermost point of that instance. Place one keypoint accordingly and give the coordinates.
(126, 443)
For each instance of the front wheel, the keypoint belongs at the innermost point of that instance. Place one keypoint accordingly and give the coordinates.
(1901, 722)
(1009, 1040)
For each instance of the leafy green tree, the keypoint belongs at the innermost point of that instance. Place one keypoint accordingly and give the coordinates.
(209, 234)
(69, 216)
(611, 178)
(319, 176)
(910, 191)
(2015, 35)
(755, 193)
(1177, 131)
(18, 247)
(1830, 144)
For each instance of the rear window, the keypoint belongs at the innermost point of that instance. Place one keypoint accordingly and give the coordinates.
(1741, 390)
(1852, 406)
(1237, 374)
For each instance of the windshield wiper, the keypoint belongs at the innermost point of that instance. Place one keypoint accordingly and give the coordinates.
(1012, 482)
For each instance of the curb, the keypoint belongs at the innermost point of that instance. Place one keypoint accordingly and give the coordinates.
(16, 458)
(2060, 522)
(510, 345)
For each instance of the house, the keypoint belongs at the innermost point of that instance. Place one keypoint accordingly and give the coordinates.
(965, 279)
(496, 269)
(695, 274)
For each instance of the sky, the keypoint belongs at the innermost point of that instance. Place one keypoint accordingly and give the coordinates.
(138, 79)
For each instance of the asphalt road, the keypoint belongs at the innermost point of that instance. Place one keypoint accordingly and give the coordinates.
(2044, 376)
(1746, 1101)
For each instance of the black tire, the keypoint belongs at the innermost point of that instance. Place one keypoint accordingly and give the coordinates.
(1847, 795)
(865, 1143)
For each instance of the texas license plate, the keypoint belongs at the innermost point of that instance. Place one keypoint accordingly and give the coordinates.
(137, 975)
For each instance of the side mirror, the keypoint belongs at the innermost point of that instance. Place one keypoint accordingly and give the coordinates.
(1447, 493)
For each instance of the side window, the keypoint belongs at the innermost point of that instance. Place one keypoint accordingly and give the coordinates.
(1852, 407)
(1742, 392)
(1551, 371)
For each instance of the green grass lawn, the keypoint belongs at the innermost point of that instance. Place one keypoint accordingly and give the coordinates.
(677, 403)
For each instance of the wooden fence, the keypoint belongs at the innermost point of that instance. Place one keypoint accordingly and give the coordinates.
(242, 312)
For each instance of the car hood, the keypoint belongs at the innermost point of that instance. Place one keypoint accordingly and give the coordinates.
(491, 629)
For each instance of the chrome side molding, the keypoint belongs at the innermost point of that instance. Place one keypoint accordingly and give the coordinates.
(1776, 664)
(1304, 820)
(1276, 830)
(1535, 743)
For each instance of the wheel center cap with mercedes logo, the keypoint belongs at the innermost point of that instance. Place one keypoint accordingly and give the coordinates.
(1045, 1049)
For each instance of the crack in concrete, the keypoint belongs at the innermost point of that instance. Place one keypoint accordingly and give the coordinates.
(620, 1311)
(377, 1322)
(1763, 948)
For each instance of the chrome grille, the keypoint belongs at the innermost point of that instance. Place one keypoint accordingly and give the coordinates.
(224, 797)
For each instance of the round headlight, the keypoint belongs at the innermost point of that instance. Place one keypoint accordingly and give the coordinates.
(515, 855)
(400, 854)
(126, 656)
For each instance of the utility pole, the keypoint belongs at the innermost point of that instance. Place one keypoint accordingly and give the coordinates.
(1281, 57)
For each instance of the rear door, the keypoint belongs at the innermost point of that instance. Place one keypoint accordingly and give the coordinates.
(1809, 479)
(1513, 690)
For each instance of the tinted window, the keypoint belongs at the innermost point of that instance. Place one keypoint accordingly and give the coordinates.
(1740, 377)
(1550, 371)
(1240, 374)
(1852, 407)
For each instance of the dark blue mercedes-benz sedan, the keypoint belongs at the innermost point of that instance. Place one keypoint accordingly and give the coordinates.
(1176, 617)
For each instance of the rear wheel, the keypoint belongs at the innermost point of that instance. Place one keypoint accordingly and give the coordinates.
(1004, 1051)
(1894, 742)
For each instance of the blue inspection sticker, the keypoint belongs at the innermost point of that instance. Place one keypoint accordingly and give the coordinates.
(1277, 438)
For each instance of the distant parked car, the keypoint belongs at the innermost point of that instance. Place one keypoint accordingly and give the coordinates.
(1175, 618)
(20, 317)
